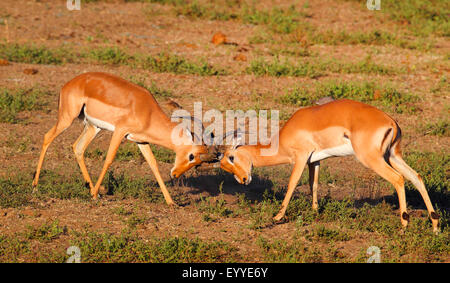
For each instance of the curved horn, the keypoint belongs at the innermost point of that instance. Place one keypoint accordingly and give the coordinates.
(195, 120)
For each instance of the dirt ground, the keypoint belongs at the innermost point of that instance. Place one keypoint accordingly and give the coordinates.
(151, 28)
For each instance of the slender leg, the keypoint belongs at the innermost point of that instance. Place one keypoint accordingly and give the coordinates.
(79, 147)
(400, 165)
(112, 150)
(314, 182)
(150, 158)
(55, 131)
(295, 176)
(378, 164)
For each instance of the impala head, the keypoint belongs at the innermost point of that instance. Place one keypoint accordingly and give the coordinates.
(236, 160)
(189, 155)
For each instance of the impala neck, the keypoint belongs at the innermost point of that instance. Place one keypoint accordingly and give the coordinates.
(259, 159)
(161, 133)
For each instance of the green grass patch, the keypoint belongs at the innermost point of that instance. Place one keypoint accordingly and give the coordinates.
(105, 247)
(160, 63)
(367, 92)
(124, 186)
(375, 37)
(12, 102)
(328, 235)
(434, 168)
(154, 89)
(214, 206)
(168, 63)
(46, 232)
(277, 20)
(33, 54)
(17, 191)
(440, 128)
(130, 151)
(313, 69)
(422, 17)
(125, 247)
(280, 251)
(278, 68)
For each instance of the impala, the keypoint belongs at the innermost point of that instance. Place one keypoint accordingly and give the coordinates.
(129, 111)
(338, 128)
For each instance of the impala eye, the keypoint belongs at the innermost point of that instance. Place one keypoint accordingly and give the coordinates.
(231, 158)
(191, 157)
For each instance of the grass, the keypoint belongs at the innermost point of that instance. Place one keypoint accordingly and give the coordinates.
(440, 128)
(33, 54)
(279, 251)
(315, 68)
(47, 232)
(168, 63)
(129, 151)
(280, 20)
(433, 167)
(96, 247)
(13, 102)
(420, 16)
(123, 186)
(278, 68)
(324, 234)
(154, 89)
(104, 247)
(277, 20)
(291, 21)
(367, 92)
(16, 189)
(160, 63)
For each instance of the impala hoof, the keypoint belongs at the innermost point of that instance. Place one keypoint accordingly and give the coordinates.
(173, 205)
(278, 217)
(102, 190)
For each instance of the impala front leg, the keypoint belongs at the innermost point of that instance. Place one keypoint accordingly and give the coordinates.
(150, 158)
(295, 176)
(314, 182)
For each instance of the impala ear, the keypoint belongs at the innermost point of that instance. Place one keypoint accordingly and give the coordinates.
(238, 141)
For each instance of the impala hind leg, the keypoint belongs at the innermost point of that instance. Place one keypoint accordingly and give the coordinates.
(112, 150)
(400, 165)
(314, 182)
(79, 147)
(150, 158)
(293, 180)
(377, 163)
(55, 131)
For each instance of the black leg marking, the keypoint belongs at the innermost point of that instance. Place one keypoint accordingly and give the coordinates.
(87, 185)
(434, 215)
(405, 216)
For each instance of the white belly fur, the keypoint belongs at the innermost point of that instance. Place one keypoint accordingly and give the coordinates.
(99, 123)
(342, 150)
